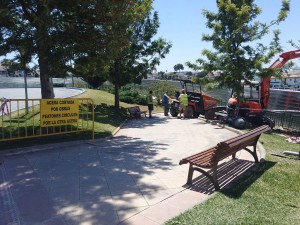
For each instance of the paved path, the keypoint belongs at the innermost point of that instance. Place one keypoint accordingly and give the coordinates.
(132, 178)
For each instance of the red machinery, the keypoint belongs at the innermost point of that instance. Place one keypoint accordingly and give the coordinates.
(255, 106)
(265, 82)
(251, 109)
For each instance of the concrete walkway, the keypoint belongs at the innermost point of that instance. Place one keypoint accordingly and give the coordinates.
(131, 178)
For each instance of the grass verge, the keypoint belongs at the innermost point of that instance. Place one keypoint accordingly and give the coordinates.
(269, 196)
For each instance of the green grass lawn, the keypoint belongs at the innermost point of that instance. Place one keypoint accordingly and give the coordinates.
(106, 120)
(269, 196)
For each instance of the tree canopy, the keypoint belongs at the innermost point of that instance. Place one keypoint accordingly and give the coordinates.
(178, 67)
(235, 35)
(77, 36)
(141, 56)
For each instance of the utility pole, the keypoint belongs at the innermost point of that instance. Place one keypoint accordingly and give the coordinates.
(26, 92)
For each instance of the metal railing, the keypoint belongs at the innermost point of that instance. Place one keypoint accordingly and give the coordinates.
(285, 119)
(18, 123)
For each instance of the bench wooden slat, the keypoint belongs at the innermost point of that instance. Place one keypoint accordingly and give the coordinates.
(254, 132)
(210, 158)
(203, 159)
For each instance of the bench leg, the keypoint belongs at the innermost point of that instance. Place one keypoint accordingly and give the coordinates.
(253, 153)
(190, 175)
(213, 178)
(234, 155)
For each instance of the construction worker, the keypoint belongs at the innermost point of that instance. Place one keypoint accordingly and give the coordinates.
(166, 99)
(231, 105)
(183, 99)
(150, 103)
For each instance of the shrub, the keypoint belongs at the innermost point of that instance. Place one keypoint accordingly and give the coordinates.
(80, 84)
(132, 96)
(159, 89)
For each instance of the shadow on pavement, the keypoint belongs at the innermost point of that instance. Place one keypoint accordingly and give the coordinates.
(234, 177)
(97, 184)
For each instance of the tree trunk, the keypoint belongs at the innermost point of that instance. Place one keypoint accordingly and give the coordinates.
(238, 104)
(117, 84)
(43, 43)
(43, 54)
(46, 90)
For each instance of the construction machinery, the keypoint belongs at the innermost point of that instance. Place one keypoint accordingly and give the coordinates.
(198, 103)
(253, 106)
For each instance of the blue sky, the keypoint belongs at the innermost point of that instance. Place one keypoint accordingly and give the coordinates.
(182, 23)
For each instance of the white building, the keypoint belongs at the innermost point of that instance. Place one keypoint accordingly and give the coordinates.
(275, 82)
(288, 80)
(19, 73)
(3, 71)
(292, 80)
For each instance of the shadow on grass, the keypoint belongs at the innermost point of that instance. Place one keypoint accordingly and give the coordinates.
(234, 177)
(106, 114)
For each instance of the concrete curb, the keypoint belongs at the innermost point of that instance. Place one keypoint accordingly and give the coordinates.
(118, 128)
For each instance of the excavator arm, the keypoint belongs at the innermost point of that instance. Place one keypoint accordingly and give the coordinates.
(265, 82)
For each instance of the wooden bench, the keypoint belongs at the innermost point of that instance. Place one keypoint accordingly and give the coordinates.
(210, 158)
(135, 112)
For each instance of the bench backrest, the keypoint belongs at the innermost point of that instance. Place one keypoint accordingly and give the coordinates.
(138, 109)
(134, 109)
(255, 132)
(231, 146)
(226, 148)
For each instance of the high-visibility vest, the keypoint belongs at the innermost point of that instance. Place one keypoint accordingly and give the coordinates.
(149, 99)
(184, 99)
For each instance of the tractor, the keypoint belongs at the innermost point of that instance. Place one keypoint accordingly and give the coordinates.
(198, 103)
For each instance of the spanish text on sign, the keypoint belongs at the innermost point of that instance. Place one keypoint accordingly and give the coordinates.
(57, 112)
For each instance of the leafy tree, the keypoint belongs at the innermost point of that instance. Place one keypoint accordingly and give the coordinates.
(193, 66)
(159, 88)
(234, 31)
(295, 44)
(189, 73)
(201, 74)
(10, 65)
(162, 75)
(178, 67)
(66, 35)
(141, 56)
